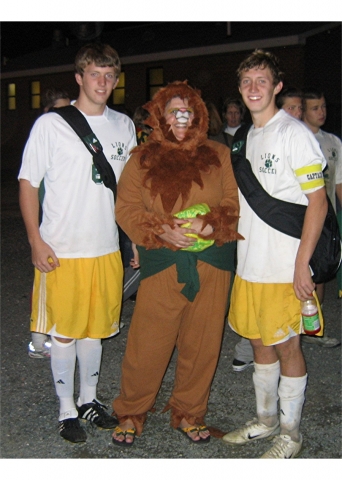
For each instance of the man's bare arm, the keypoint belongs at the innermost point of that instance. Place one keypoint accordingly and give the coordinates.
(313, 224)
(43, 257)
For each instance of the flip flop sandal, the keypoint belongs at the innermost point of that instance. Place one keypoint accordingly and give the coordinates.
(119, 431)
(192, 429)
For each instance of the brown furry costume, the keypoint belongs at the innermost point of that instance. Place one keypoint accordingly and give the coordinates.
(162, 177)
(170, 169)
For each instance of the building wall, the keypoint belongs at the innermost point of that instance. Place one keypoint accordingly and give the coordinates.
(16, 124)
(214, 75)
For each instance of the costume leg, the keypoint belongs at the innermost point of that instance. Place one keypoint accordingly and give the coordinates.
(266, 380)
(151, 340)
(63, 361)
(89, 352)
(291, 393)
(198, 345)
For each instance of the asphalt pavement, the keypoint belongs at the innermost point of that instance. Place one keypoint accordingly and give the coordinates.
(29, 406)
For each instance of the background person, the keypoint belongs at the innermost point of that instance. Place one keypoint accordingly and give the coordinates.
(290, 100)
(233, 113)
(130, 255)
(215, 124)
(143, 130)
(314, 116)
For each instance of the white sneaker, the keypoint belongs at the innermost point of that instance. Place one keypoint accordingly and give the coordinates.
(325, 341)
(43, 353)
(252, 431)
(284, 447)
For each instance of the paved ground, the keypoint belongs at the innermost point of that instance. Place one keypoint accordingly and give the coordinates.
(29, 407)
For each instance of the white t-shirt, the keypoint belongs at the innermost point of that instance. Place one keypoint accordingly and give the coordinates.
(287, 160)
(78, 214)
(331, 148)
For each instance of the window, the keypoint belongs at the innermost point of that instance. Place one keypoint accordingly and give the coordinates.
(155, 81)
(119, 91)
(35, 94)
(11, 100)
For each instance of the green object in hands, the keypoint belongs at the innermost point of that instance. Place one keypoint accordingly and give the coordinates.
(192, 212)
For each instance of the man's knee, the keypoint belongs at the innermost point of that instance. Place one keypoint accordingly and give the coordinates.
(67, 341)
(288, 349)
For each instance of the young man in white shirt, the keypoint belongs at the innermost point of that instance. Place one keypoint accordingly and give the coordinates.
(273, 274)
(77, 288)
(290, 100)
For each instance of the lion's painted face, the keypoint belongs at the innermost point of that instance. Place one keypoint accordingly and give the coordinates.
(179, 116)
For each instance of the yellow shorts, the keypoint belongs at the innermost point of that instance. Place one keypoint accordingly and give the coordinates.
(270, 311)
(81, 298)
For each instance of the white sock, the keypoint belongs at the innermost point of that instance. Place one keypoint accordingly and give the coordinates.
(266, 379)
(63, 361)
(38, 340)
(89, 353)
(291, 393)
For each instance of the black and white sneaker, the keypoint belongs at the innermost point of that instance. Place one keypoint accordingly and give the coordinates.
(95, 412)
(239, 366)
(71, 430)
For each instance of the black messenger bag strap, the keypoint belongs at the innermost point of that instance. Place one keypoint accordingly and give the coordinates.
(286, 217)
(78, 122)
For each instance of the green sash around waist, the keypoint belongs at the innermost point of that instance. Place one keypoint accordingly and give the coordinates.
(155, 261)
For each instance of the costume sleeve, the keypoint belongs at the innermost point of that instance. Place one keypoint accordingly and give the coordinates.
(133, 214)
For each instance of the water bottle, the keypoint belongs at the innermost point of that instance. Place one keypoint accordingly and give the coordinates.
(310, 316)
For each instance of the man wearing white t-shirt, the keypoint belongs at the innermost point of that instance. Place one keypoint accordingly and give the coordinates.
(314, 116)
(273, 274)
(77, 288)
(290, 100)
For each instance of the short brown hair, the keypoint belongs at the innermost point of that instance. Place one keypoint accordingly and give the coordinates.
(51, 95)
(100, 54)
(261, 59)
(237, 103)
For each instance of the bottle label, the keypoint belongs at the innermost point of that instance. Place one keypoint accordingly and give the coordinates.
(311, 322)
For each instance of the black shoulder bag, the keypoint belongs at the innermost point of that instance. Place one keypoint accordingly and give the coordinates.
(286, 217)
(78, 122)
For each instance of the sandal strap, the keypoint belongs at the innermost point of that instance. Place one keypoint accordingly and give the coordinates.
(130, 431)
(119, 431)
(190, 429)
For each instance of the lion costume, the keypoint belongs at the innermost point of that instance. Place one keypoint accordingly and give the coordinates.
(182, 298)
